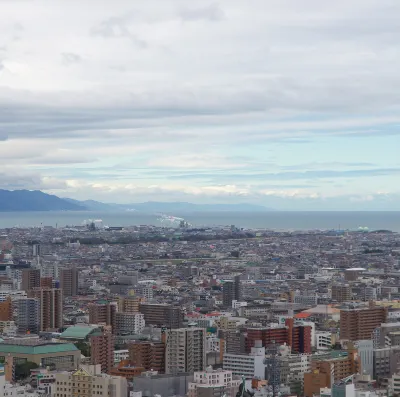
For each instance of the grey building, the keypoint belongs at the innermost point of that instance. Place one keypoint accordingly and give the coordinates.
(151, 383)
(231, 290)
(185, 350)
(162, 315)
(366, 354)
(28, 315)
(386, 362)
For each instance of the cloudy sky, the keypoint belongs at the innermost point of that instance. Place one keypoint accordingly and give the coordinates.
(287, 103)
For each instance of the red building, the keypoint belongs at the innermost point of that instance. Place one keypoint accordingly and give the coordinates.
(296, 336)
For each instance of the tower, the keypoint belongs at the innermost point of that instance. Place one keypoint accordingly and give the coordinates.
(102, 351)
(51, 307)
(185, 350)
(69, 281)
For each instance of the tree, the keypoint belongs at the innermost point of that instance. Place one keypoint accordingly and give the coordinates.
(23, 370)
(84, 348)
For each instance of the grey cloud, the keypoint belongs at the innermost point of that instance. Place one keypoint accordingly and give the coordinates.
(69, 58)
(118, 27)
(211, 12)
(312, 174)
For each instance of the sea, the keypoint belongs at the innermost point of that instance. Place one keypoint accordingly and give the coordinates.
(275, 220)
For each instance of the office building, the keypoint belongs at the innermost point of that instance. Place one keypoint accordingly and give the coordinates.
(213, 383)
(341, 293)
(162, 315)
(365, 350)
(359, 323)
(28, 315)
(185, 350)
(51, 307)
(102, 313)
(128, 323)
(231, 290)
(30, 279)
(69, 281)
(88, 381)
(102, 351)
(149, 355)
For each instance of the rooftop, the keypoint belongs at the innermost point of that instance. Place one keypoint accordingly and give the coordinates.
(45, 348)
(78, 332)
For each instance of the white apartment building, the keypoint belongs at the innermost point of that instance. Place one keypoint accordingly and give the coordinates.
(323, 340)
(207, 383)
(213, 344)
(247, 365)
(120, 355)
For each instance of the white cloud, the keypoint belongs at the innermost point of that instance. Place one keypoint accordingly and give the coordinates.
(134, 88)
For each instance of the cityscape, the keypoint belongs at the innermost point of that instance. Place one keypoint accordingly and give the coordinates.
(199, 198)
(180, 311)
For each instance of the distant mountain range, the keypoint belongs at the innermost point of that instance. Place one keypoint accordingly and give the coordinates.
(35, 200)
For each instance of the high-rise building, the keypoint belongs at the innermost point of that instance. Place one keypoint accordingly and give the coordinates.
(6, 310)
(359, 323)
(162, 315)
(231, 290)
(102, 313)
(185, 350)
(51, 307)
(30, 279)
(213, 383)
(129, 304)
(128, 323)
(102, 350)
(341, 293)
(149, 355)
(28, 315)
(298, 337)
(88, 381)
(69, 281)
(46, 282)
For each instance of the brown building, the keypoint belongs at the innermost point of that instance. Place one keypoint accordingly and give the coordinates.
(129, 304)
(358, 323)
(162, 315)
(102, 351)
(6, 311)
(326, 371)
(69, 281)
(51, 307)
(341, 293)
(30, 279)
(102, 313)
(46, 282)
(297, 336)
(126, 370)
(149, 355)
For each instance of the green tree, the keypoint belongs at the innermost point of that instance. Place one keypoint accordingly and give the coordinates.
(84, 348)
(23, 370)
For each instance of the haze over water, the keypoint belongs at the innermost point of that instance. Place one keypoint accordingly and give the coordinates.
(271, 220)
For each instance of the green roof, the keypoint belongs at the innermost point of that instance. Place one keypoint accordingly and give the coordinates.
(47, 348)
(77, 332)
